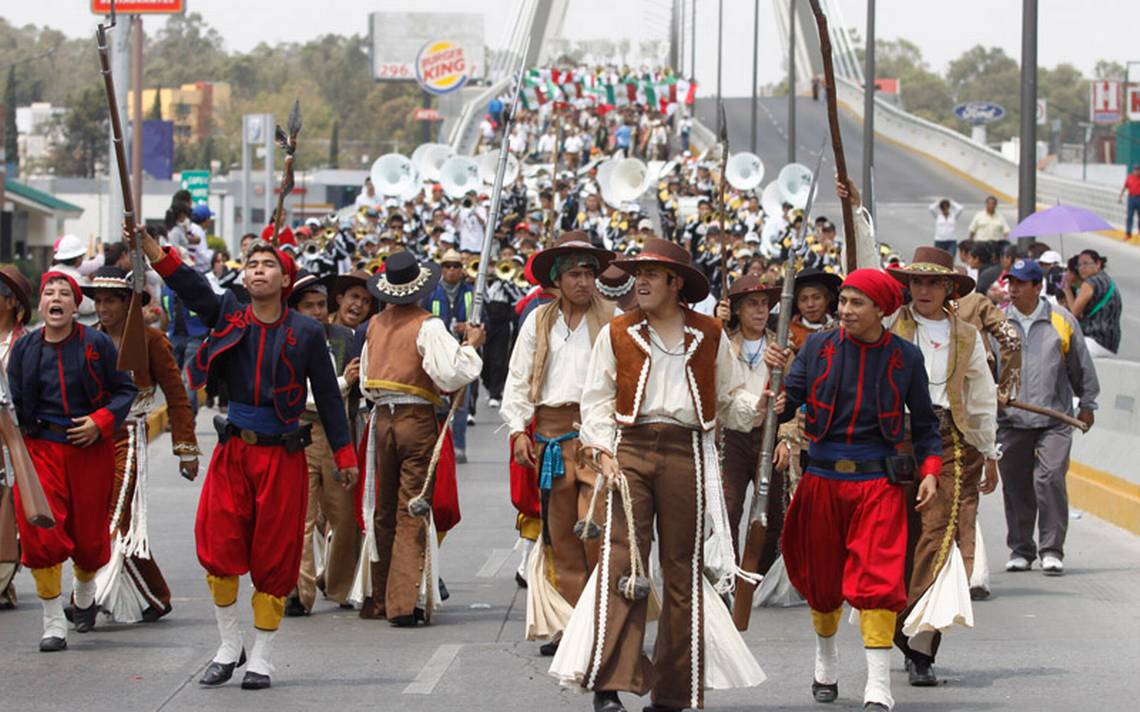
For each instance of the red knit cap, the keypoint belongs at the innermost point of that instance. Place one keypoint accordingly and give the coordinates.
(53, 274)
(880, 288)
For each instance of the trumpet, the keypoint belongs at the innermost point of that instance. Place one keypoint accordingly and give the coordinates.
(472, 268)
(521, 281)
(373, 266)
(506, 270)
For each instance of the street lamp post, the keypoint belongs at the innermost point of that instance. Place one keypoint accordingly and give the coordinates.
(1027, 173)
(791, 81)
(869, 111)
(755, 58)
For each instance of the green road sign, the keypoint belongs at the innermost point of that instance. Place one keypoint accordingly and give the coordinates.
(198, 183)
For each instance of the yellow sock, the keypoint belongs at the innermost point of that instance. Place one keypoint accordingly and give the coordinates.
(267, 611)
(224, 589)
(826, 624)
(878, 626)
(48, 581)
(529, 527)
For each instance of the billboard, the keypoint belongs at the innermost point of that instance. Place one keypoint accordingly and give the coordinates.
(138, 7)
(441, 50)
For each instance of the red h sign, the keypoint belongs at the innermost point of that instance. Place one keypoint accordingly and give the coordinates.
(1132, 103)
(1104, 102)
(139, 7)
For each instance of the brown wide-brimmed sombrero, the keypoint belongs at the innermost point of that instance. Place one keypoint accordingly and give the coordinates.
(752, 284)
(20, 288)
(574, 241)
(670, 255)
(933, 262)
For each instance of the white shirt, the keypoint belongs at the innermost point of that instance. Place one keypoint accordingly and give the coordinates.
(665, 394)
(933, 339)
(449, 365)
(945, 225)
(573, 144)
(471, 228)
(567, 365)
(546, 143)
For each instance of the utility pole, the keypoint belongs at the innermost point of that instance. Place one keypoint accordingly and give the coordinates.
(674, 35)
(719, 55)
(1027, 173)
(692, 39)
(791, 81)
(755, 58)
(136, 110)
(869, 111)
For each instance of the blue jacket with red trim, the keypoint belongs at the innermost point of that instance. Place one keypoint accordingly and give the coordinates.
(70, 379)
(856, 397)
(266, 366)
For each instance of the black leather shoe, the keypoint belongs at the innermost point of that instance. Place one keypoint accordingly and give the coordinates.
(52, 644)
(607, 702)
(444, 594)
(920, 673)
(152, 614)
(824, 693)
(548, 649)
(85, 618)
(294, 609)
(219, 673)
(877, 707)
(254, 681)
(520, 580)
(408, 621)
(977, 593)
(660, 708)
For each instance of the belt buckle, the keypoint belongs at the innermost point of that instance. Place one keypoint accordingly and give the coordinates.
(248, 436)
(847, 467)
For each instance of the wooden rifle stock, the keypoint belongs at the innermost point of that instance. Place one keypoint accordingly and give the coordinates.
(757, 537)
(32, 498)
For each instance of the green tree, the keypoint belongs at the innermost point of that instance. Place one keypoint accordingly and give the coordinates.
(11, 144)
(988, 74)
(922, 92)
(1107, 69)
(84, 135)
(156, 107)
(185, 50)
(1067, 94)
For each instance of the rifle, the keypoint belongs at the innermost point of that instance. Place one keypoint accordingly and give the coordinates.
(757, 534)
(722, 121)
(36, 508)
(1054, 414)
(475, 316)
(849, 250)
(132, 349)
(288, 143)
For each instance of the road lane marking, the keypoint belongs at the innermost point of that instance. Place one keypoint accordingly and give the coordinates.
(494, 562)
(433, 670)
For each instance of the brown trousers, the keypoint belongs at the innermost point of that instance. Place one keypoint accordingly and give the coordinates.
(144, 573)
(657, 461)
(569, 501)
(741, 464)
(927, 529)
(330, 511)
(405, 435)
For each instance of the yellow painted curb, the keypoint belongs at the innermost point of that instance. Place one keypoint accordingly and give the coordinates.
(157, 421)
(1105, 496)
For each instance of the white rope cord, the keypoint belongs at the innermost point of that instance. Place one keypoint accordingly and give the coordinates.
(419, 505)
(695, 583)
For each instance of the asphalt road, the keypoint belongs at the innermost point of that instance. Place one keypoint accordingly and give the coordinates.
(1040, 643)
(905, 184)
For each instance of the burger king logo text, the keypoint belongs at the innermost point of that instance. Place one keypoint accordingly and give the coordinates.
(441, 67)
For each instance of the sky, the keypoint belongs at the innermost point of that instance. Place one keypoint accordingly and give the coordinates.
(1076, 31)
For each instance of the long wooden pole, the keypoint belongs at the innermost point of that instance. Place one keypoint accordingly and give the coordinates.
(836, 137)
(136, 107)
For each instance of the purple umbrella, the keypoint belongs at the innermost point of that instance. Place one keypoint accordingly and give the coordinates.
(1057, 220)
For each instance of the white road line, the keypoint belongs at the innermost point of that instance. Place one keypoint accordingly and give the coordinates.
(433, 670)
(494, 562)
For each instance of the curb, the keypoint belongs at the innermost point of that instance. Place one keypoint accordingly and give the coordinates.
(157, 421)
(1104, 496)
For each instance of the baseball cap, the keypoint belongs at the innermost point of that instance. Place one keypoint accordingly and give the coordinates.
(1050, 257)
(201, 212)
(1026, 270)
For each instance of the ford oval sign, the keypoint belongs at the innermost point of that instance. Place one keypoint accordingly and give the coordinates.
(978, 113)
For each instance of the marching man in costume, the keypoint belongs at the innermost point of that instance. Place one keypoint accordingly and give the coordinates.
(660, 379)
(408, 362)
(251, 514)
(328, 499)
(133, 588)
(547, 374)
(15, 313)
(845, 531)
(964, 396)
(69, 399)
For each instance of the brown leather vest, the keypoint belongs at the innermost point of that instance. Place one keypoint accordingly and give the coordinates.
(629, 336)
(394, 363)
(960, 354)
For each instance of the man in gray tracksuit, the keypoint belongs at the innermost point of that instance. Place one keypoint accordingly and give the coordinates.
(1055, 365)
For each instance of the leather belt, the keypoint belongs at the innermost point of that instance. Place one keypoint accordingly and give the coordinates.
(849, 467)
(53, 427)
(293, 441)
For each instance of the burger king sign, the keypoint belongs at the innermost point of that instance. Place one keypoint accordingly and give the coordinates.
(441, 67)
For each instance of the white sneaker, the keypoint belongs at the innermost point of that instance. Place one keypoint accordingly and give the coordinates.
(470, 419)
(1052, 566)
(494, 402)
(1018, 563)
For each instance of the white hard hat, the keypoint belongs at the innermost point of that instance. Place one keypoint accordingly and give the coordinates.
(69, 247)
(1050, 257)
